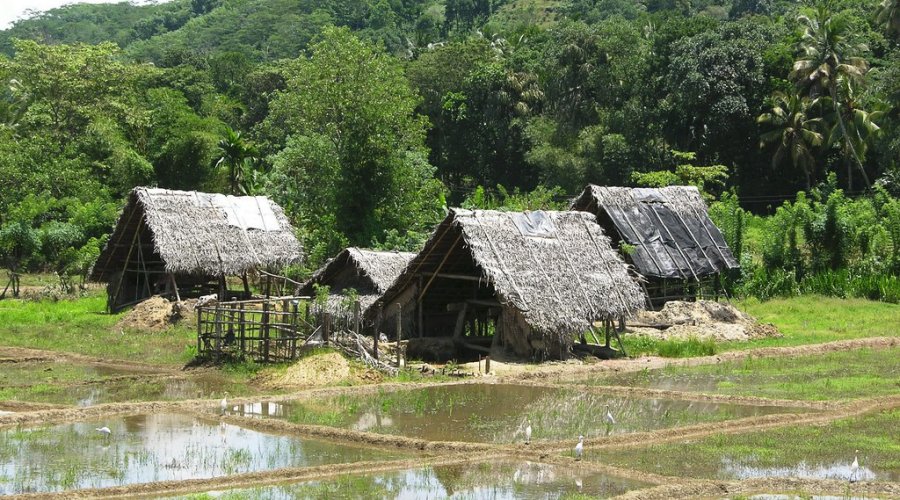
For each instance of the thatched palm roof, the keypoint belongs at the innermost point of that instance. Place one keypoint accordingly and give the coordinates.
(557, 268)
(669, 228)
(369, 272)
(202, 233)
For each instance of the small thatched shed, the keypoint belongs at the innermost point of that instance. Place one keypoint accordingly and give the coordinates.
(368, 272)
(667, 235)
(168, 241)
(522, 282)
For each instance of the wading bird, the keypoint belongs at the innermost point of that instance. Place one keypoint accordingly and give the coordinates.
(528, 433)
(610, 420)
(224, 403)
(579, 448)
(854, 467)
(104, 430)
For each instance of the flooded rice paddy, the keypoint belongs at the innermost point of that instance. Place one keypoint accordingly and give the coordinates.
(89, 384)
(498, 413)
(147, 448)
(494, 481)
(809, 452)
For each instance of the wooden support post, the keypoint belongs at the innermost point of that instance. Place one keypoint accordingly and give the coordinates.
(356, 321)
(326, 327)
(487, 364)
(377, 332)
(242, 332)
(419, 318)
(399, 331)
(175, 286)
(199, 330)
(295, 320)
(247, 294)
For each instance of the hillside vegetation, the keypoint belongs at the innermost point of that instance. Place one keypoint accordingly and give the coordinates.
(366, 119)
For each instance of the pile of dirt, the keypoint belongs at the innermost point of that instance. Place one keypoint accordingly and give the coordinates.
(317, 370)
(153, 314)
(702, 319)
(157, 313)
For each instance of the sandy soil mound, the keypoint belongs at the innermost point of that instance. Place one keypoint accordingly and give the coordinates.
(153, 314)
(157, 313)
(319, 370)
(701, 319)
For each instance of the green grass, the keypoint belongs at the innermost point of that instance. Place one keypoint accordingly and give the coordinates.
(82, 326)
(836, 375)
(874, 435)
(813, 319)
(672, 348)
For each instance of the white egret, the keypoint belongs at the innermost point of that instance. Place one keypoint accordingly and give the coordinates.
(104, 430)
(854, 467)
(579, 448)
(224, 403)
(528, 433)
(610, 420)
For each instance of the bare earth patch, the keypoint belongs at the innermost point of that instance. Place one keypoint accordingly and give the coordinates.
(702, 319)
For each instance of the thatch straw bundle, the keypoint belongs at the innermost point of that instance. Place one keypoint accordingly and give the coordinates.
(556, 269)
(369, 272)
(202, 233)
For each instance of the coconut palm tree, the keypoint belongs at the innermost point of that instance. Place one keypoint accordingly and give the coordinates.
(858, 125)
(794, 132)
(235, 152)
(888, 16)
(829, 57)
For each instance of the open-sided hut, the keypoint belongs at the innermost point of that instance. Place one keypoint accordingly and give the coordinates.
(368, 273)
(527, 283)
(175, 242)
(666, 233)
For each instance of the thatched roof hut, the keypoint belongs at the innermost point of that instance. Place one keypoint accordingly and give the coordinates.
(163, 234)
(527, 282)
(668, 230)
(368, 272)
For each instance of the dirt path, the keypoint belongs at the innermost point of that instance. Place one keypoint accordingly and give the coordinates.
(770, 485)
(568, 371)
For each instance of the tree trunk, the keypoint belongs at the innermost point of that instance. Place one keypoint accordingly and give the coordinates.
(848, 142)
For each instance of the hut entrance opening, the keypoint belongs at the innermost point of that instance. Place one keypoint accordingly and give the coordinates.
(456, 302)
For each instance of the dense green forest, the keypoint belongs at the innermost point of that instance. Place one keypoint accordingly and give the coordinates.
(365, 119)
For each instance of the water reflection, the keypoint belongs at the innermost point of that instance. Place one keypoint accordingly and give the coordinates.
(145, 448)
(499, 413)
(495, 481)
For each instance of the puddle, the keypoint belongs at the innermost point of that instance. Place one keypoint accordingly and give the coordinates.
(87, 385)
(850, 374)
(146, 448)
(842, 471)
(498, 413)
(495, 481)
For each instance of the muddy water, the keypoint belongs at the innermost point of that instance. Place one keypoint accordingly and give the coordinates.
(145, 448)
(87, 384)
(499, 413)
(495, 481)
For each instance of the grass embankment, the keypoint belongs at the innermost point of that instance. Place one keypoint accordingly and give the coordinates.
(809, 319)
(814, 319)
(82, 326)
(825, 450)
(837, 375)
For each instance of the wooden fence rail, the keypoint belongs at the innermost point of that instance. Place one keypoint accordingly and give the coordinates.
(271, 330)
